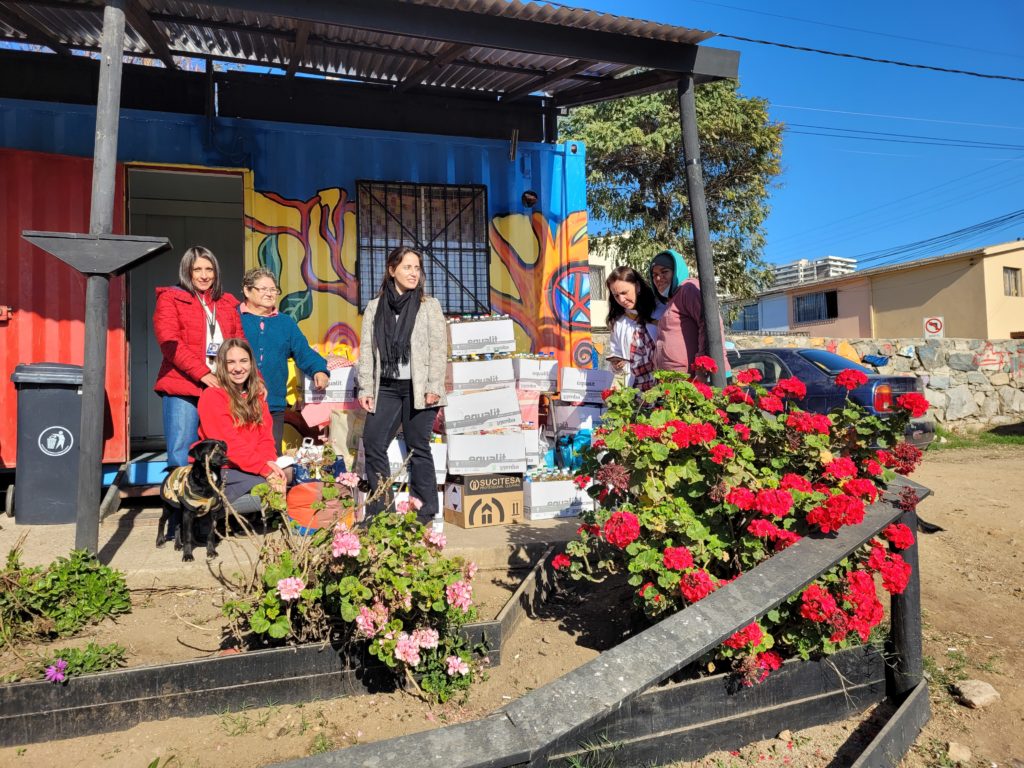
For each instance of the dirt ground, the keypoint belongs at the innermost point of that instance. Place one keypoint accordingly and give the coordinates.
(973, 592)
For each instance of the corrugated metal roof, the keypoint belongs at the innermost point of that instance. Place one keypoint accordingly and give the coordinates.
(214, 31)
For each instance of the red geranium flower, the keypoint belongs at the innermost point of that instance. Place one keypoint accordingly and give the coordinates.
(913, 402)
(677, 558)
(817, 604)
(748, 376)
(861, 486)
(791, 387)
(763, 529)
(742, 431)
(794, 482)
(737, 395)
(895, 574)
(696, 585)
(840, 468)
(704, 389)
(582, 481)
(809, 422)
(606, 393)
(706, 364)
(644, 588)
(851, 379)
(872, 467)
(770, 403)
(899, 535)
(560, 561)
(743, 498)
(784, 538)
(643, 431)
(622, 529)
(752, 634)
(774, 502)
(590, 528)
(721, 453)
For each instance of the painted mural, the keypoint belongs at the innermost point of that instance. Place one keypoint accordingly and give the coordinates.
(539, 271)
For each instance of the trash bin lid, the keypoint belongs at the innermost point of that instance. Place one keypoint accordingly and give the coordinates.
(47, 373)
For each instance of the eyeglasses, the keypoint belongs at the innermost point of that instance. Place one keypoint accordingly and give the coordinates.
(268, 291)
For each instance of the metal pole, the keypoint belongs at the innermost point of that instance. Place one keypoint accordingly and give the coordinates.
(97, 290)
(699, 217)
(905, 634)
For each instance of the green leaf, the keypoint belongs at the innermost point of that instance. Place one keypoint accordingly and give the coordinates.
(269, 257)
(299, 304)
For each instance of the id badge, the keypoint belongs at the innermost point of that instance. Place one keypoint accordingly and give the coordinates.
(211, 349)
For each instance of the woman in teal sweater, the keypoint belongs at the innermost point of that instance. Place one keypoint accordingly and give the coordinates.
(274, 338)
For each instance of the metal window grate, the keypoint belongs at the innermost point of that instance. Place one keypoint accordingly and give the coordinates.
(446, 223)
(598, 289)
(815, 307)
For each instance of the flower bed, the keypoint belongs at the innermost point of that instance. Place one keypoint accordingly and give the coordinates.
(696, 486)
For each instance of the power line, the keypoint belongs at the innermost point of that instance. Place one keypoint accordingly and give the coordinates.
(950, 141)
(859, 57)
(899, 117)
(940, 143)
(858, 29)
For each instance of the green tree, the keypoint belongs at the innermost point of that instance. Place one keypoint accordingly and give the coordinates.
(636, 179)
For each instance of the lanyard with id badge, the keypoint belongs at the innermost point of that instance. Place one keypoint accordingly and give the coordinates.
(212, 345)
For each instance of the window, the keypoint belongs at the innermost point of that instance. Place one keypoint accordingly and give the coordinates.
(598, 289)
(815, 307)
(750, 317)
(771, 368)
(1011, 281)
(830, 362)
(446, 223)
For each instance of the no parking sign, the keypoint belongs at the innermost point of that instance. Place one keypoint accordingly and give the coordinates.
(934, 327)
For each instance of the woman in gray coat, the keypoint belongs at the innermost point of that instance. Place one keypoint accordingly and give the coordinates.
(403, 355)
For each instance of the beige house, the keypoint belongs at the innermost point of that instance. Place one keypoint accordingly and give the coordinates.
(973, 294)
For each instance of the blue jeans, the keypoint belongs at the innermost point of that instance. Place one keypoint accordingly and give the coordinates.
(181, 427)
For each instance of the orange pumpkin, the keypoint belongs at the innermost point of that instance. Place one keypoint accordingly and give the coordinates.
(301, 499)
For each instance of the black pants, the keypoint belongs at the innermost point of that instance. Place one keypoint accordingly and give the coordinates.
(277, 427)
(394, 409)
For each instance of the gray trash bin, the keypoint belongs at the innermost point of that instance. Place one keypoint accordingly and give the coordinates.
(49, 418)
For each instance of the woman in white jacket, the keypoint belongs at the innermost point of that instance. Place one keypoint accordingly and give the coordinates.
(631, 303)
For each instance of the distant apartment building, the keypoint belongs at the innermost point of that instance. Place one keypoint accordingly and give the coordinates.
(807, 271)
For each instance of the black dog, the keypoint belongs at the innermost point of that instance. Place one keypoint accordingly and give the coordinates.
(191, 492)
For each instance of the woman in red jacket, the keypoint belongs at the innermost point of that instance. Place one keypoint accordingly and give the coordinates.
(190, 321)
(236, 411)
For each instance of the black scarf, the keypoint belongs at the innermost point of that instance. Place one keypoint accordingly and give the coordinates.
(392, 335)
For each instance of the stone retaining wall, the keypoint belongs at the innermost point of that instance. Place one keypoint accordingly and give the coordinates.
(972, 384)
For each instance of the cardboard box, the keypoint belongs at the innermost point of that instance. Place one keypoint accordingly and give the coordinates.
(534, 454)
(480, 337)
(477, 411)
(475, 502)
(572, 417)
(548, 499)
(584, 385)
(536, 375)
(396, 458)
(486, 454)
(480, 374)
(340, 389)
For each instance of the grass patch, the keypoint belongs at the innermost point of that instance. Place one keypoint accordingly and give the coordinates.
(945, 440)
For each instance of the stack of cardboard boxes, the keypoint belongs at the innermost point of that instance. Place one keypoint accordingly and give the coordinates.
(496, 462)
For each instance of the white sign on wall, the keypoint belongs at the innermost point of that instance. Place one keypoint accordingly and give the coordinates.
(934, 327)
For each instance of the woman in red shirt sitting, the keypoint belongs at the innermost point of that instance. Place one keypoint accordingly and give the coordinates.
(236, 412)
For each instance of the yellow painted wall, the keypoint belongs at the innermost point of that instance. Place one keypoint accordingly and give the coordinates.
(1004, 313)
(854, 309)
(953, 289)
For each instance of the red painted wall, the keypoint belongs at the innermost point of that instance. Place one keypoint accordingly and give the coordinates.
(51, 193)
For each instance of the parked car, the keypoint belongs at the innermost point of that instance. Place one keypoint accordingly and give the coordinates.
(817, 369)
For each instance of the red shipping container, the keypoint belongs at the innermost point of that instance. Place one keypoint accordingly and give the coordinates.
(52, 193)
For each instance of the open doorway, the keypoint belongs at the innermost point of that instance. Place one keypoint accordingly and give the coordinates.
(188, 208)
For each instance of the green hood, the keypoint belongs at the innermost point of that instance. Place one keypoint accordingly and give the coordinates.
(680, 271)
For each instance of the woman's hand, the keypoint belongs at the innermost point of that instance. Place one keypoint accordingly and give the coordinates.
(277, 479)
(432, 399)
(366, 403)
(617, 364)
(320, 380)
(210, 380)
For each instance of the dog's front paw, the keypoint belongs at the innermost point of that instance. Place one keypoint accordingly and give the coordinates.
(211, 554)
(187, 557)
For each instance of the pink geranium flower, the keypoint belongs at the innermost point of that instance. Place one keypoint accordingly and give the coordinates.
(349, 479)
(346, 542)
(426, 637)
(460, 595)
(407, 650)
(435, 539)
(457, 666)
(290, 588)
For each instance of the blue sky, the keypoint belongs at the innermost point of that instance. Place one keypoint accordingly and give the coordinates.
(855, 197)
